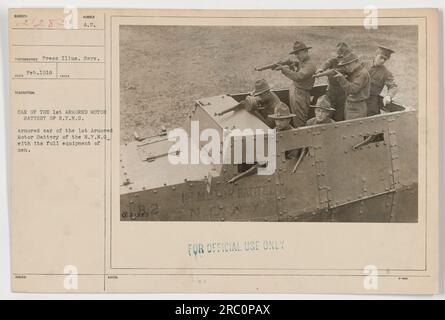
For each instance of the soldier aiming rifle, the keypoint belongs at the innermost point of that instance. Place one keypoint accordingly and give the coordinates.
(302, 83)
(292, 64)
(329, 73)
(335, 92)
(261, 102)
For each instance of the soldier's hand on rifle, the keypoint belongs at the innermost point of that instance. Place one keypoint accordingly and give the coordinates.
(281, 67)
(251, 103)
(337, 74)
(386, 100)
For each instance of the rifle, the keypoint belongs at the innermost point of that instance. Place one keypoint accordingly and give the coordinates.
(275, 65)
(327, 73)
(234, 108)
(249, 99)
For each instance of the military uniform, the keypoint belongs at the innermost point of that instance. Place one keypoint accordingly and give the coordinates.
(303, 82)
(263, 107)
(356, 87)
(380, 77)
(335, 92)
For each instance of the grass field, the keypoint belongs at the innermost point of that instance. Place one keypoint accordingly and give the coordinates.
(163, 69)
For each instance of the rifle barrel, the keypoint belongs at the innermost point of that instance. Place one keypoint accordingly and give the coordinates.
(270, 66)
(274, 65)
(235, 107)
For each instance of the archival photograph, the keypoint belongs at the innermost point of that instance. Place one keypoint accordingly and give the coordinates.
(269, 123)
(224, 151)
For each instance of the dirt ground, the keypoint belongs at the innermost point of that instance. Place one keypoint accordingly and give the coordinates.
(163, 69)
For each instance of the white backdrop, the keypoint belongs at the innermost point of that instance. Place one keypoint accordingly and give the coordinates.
(5, 292)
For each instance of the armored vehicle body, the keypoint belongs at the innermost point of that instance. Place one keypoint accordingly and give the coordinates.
(361, 170)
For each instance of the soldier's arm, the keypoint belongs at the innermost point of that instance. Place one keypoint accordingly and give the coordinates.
(330, 64)
(306, 71)
(391, 85)
(251, 104)
(354, 86)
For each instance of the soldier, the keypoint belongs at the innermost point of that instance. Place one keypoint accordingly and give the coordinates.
(323, 111)
(380, 77)
(282, 118)
(356, 86)
(303, 82)
(335, 92)
(263, 102)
